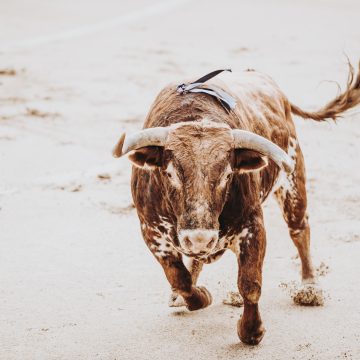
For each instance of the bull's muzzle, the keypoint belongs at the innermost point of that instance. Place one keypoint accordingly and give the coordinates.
(198, 241)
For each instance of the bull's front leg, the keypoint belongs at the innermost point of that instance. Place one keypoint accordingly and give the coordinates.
(180, 279)
(250, 250)
(194, 266)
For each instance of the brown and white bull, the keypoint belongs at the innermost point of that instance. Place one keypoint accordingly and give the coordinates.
(202, 173)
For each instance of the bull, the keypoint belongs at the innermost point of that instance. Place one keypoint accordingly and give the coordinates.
(201, 172)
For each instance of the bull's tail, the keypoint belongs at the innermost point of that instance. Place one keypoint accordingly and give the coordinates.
(345, 101)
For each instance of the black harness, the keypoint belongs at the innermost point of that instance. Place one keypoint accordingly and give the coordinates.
(227, 101)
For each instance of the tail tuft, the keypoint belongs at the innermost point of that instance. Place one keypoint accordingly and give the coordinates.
(343, 102)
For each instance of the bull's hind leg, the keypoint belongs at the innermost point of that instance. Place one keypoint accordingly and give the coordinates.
(292, 199)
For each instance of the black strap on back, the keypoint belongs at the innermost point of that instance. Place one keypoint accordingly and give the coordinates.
(227, 101)
(210, 76)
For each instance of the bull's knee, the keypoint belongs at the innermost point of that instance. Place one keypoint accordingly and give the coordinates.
(250, 290)
(298, 223)
(301, 239)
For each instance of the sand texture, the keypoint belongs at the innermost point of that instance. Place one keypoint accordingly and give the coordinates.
(76, 279)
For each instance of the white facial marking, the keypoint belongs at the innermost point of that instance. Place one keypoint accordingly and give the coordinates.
(201, 207)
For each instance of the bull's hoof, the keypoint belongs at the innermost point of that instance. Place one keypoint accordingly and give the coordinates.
(308, 295)
(201, 298)
(250, 334)
(176, 300)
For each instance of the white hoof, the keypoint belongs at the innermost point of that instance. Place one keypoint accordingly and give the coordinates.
(233, 298)
(176, 300)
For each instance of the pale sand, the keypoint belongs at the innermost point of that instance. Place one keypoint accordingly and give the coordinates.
(76, 280)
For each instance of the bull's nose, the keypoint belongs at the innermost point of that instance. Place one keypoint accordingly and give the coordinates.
(198, 241)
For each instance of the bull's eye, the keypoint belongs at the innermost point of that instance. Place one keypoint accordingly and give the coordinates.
(228, 176)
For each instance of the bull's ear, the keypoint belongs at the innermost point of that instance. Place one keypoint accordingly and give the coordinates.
(148, 157)
(245, 160)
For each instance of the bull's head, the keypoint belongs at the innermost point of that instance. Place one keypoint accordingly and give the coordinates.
(197, 161)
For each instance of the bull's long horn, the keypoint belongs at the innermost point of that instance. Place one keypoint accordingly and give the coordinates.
(249, 140)
(148, 137)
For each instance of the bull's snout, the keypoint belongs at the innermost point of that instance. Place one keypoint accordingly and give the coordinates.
(198, 241)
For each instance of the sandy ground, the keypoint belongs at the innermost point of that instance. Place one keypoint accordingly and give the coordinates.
(76, 280)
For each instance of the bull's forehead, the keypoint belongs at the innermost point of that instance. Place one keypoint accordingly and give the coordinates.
(203, 141)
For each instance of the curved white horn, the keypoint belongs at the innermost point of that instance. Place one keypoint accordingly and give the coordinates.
(249, 140)
(148, 137)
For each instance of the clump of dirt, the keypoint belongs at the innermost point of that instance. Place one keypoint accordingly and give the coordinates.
(71, 187)
(233, 298)
(8, 72)
(104, 177)
(41, 114)
(240, 50)
(304, 294)
(308, 295)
